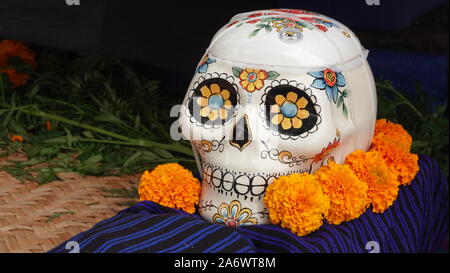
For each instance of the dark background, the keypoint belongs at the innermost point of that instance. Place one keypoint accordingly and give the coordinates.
(408, 40)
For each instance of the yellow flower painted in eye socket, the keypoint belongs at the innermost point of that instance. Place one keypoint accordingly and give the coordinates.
(252, 79)
(214, 102)
(289, 111)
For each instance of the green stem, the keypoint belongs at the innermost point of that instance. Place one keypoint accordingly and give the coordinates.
(398, 94)
(16, 66)
(13, 108)
(138, 142)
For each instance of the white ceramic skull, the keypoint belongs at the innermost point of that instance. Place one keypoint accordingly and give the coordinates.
(277, 92)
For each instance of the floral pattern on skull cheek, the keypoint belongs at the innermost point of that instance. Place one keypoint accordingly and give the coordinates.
(233, 215)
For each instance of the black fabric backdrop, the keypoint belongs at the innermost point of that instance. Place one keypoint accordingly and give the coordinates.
(171, 36)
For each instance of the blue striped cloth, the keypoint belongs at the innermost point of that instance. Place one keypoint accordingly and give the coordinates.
(416, 222)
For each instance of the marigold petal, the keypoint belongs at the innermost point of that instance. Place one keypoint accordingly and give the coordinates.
(347, 193)
(381, 181)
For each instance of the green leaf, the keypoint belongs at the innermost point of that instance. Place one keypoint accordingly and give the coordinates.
(340, 101)
(68, 137)
(34, 91)
(7, 119)
(261, 25)
(272, 75)
(88, 134)
(60, 140)
(268, 28)
(253, 33)
(49, 151)
(266, 19)
(59, 214)
(108, 117)
(236, 71)
(132, 158)
(345, 110)
(47, 175)
(93, 159)
(344, 93)
(137, 123)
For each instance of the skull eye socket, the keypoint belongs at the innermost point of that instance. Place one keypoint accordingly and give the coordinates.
(213, 101)
(289, 110)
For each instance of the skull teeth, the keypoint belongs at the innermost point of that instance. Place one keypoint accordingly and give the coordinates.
(240, 183)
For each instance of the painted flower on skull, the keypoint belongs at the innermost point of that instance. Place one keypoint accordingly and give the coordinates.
(329, 81)
(289, 111)
(286, 23)
(233, 215)
(214, 102)
(326, 151)
(321, 24)
(204, 63)
(285, 19)
(253, 79)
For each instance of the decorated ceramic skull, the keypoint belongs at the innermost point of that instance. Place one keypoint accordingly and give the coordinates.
(277, 92)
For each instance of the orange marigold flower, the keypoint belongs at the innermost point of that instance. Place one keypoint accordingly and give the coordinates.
(382, 182)
(389, 131)
(404, 164)
(297, 202)
(16, 138)
(11, 51)
(347, 193)
(172, 186)
(48, 125)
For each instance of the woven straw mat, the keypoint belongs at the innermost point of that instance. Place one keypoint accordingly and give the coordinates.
(37, 218)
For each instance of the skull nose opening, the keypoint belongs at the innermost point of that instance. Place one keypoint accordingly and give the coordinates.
(241, 135)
